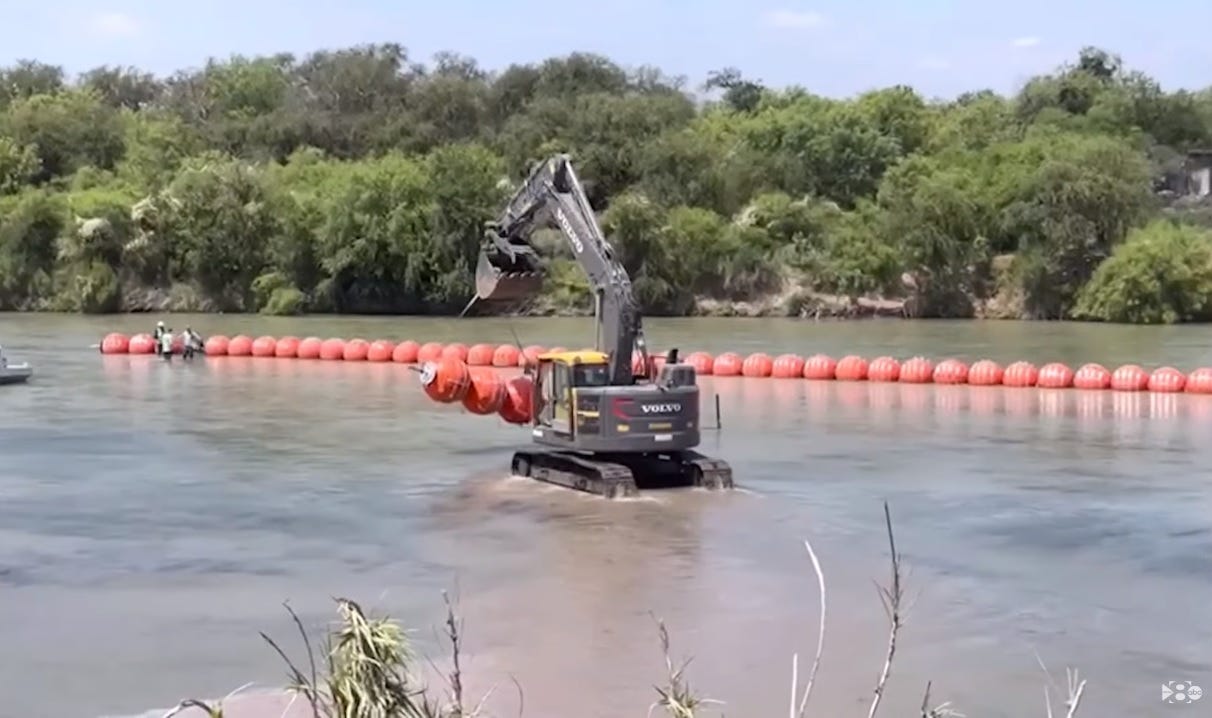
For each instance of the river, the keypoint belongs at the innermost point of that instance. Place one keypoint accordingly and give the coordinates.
(154, 517)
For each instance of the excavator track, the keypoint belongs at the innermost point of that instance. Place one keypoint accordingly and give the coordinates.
(711, 473)
(576, 471)
(615, 475)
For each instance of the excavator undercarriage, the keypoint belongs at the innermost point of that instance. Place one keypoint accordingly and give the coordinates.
(614, 475)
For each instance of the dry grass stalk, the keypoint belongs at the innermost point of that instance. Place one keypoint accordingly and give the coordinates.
(891, 596)
(820, 645)
(1075, 690)
(675, 696)
(455, 706)
(211, 711)
(942, 710)
(367, 673)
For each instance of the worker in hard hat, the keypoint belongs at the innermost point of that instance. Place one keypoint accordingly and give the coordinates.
(158, 335)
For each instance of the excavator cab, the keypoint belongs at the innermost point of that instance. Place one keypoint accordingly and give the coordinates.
(558, 382)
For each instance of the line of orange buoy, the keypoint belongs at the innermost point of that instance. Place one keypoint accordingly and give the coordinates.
(916, 370)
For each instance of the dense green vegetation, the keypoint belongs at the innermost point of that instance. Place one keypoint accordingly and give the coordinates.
(358, 181)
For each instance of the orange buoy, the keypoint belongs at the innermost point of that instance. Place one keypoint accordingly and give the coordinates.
(1200, 381)
(406, 352)
(985, 373)
(456, 350)
(264, 346)
(788, 366)
(1092, 376)
(757, 365)
(380, 350)
(480, 355)
(1129, 377)
(728, 364)
(356, 350)
(311, 348)
(447, 380)
(332, 349)
(486, 394)
(287, 347)
(240, 346)
(506, 355)
(702, 363)
(820, 367)
(1167, 380)
(141, 344)
(851, 368)
(115, 343)
(917, 370)
(178, 344)
(530, 355)
(950, 371)
(517, 407)
(1055, 375)
(429, 351)
(882, 369)
(215, 346)
(1020, 374)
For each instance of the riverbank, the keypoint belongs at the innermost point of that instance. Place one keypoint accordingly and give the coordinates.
(805, 305)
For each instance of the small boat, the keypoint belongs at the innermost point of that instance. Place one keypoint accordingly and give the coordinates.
(15, 373)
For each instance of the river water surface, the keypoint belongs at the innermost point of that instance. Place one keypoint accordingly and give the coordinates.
(153, 518)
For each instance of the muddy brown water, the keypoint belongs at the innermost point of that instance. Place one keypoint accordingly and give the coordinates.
(153, 518)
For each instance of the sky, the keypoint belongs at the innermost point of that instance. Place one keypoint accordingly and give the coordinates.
(831, 47)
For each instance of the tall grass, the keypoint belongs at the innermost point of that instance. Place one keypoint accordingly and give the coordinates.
(369, 667)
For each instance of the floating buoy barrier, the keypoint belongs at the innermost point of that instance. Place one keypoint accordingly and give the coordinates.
(447, 380)
(485, 392)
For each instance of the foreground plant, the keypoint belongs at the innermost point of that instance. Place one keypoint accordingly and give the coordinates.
(368, 667)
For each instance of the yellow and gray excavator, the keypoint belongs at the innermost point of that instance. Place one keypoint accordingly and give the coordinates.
(600, 427)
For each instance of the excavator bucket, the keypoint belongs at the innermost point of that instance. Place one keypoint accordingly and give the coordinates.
(502, 278)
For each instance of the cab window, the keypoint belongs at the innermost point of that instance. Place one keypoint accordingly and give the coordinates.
(590, 375)
(559, 380)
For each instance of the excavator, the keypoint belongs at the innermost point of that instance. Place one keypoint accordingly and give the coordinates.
(597, 426)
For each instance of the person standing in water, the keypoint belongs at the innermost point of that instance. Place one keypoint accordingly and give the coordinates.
(192, 343)
(158, 336)
(166, 344)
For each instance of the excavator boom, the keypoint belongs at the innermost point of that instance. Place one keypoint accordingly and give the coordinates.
(510, 269)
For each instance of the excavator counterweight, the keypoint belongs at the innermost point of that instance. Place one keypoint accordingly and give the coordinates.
(600, 428)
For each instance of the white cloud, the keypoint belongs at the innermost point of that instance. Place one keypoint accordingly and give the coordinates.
(933, 63)
(114, 24)
(794, 20)
(1028, 41)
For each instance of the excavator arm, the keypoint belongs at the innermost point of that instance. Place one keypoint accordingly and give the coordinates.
(510, 268)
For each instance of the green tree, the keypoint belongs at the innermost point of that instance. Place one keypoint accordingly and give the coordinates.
(1162, 274)
(358, 179)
